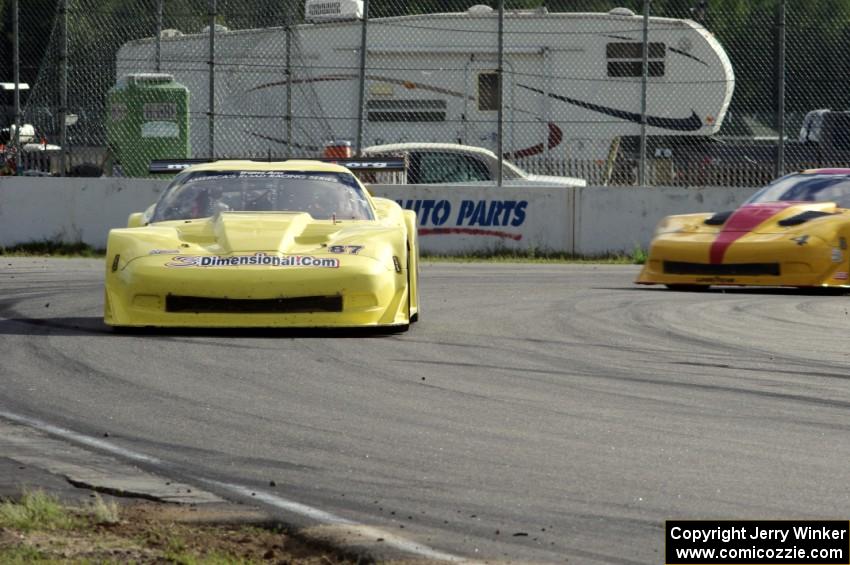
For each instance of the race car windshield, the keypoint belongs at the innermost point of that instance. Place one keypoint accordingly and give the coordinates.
(324, 195)
(806, 188)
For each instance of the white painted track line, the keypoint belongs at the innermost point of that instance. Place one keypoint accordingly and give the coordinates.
(325, 518)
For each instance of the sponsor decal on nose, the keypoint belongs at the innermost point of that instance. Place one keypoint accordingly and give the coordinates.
(257, 259)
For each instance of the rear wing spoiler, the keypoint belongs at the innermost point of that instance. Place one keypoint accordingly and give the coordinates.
(365, 164)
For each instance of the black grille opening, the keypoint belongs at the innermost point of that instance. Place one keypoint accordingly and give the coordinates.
(728, 269)
(803, 217)
(718, 219)
(304, 304)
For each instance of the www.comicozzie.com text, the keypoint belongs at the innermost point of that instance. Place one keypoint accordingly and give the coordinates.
(726, 535)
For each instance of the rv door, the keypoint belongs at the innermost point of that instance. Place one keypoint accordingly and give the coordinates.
(520, 112)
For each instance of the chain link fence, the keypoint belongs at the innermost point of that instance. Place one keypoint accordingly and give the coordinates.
(21, 61)
(561, 88)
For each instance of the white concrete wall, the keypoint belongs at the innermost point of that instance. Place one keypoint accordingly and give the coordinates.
(70, 210)
(454, 220)
(589, 220)
(615, 219)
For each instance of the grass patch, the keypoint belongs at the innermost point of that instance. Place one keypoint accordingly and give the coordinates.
(211, 558)
(637, 257)
(103, 512)
(39, 529)
(25, 556)
(51, 249)
(36, 511)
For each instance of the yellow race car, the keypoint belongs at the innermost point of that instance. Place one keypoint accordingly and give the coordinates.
(295, 243)
(793, 232)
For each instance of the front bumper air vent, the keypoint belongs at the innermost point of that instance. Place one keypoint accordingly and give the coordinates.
(300, 305)
(725, 269)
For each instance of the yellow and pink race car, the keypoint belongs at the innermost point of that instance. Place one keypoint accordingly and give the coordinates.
(793, 232)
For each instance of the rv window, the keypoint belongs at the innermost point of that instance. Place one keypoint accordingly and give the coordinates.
(634, 68)
(626, 59)
(406, 110)
(488, 92)
(634, 50)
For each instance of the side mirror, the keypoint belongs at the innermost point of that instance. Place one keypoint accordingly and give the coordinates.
(136, 220)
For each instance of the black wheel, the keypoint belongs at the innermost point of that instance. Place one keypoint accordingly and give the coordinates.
(413, 317)
(391, 330)
(86, 170)
(127, 330)
(829, 291)
(688, 287)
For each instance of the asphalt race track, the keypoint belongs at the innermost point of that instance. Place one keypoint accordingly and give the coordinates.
(536, 413)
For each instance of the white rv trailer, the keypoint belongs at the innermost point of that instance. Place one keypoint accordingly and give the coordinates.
(572, 80)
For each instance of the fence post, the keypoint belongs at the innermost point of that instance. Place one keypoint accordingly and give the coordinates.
(211, 104)
(159, 35)
(780, 90)
(500, 116)
(544, 100)
(288, 73)
(63, 88)
(16, 61)
(361, 100)
(643, 88)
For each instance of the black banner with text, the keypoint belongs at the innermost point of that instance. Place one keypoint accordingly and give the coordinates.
(761, 542)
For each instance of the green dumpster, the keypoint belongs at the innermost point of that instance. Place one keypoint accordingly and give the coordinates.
(148, 118)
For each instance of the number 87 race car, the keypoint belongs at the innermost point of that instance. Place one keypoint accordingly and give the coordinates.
(264, 244)
(793, 232)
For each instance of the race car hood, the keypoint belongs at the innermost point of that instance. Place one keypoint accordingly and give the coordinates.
(760, 218)
(241, 232)
(775, 217)
(245, 232)
(783, 220)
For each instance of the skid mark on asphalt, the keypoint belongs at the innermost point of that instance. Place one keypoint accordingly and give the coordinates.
(676, 384)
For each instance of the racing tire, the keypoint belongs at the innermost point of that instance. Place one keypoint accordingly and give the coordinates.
(391, 330)
(129, 330)
(688, 287)
(413, 318)
(86, 170)
(828, 291)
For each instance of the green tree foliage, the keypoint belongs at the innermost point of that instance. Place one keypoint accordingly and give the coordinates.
(817, 62)
(35, 22)
(817, 32)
